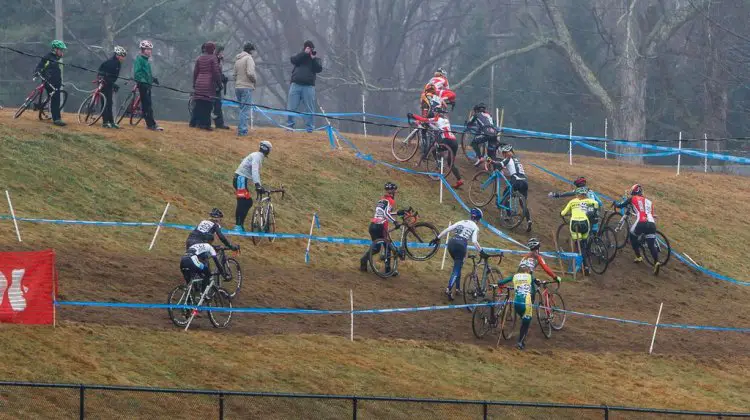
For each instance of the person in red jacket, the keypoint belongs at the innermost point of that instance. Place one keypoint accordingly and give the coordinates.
(534, 259)
(206, 81)
(380, 220)
(438, 120)
(435, 87)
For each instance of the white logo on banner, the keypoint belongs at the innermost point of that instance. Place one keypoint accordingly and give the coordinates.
(15, 295)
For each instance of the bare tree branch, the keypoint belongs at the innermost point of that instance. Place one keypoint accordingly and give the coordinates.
(139, 17)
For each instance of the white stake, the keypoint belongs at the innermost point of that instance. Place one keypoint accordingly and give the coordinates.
(679, 154)
(570, 144)
(351, 305)
(705, 150)
(497, 117)
(445, 250)
(364, 118)
(441, 181)
(309, 240)
(158, 227)
(13, 215)
(658, 317)
(605, 136)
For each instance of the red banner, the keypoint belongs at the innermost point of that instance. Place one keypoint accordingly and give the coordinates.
(26, 285)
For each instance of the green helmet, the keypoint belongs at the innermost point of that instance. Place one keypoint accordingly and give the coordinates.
(57, 44)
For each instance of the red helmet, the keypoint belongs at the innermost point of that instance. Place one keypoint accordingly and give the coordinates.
(580, 182)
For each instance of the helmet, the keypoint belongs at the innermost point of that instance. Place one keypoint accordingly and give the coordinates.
(507, 148)
(480, 107)
(580, 181)
(265, 147)
(526, 263)
(216, 213)
(146, 44)
(636, 190)
(442, 71)
(476, 214)
(533, 244)
(120, 51)
(390, 186)
(57, 44)
(582, 191)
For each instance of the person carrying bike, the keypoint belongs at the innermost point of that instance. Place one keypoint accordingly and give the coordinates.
(581, 182)
(534, 259)
(379, 224)
(434, 87)
(524, 284)
(482, 127)
(581, 209)
(249, 169)
(195, 262)
(515, 173)
(437, 120)
(109, 72)
(143, 76)
(206, 230)
(645, 223)
(49, 69)
(465, 231)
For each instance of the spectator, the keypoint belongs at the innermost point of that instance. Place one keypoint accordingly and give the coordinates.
(244, 84)
(206, 81)
(302, 89)
(145, 79)
(221, 91)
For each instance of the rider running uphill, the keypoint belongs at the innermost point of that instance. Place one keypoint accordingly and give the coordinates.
(438, 121)
(379, 224)
(581, 182)
(524, 284)
(534, 259)
(517, 176)
(249, 169)
(581, 209)
(646, 224)
(434, 87)
(465, 231)
(482, 127)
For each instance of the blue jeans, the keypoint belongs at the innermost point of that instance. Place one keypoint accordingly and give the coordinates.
(304, 95)
(245, 97)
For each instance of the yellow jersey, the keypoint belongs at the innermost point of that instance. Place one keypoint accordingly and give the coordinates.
(580, 209)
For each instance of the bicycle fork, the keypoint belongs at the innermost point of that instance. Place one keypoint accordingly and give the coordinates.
(194, 312)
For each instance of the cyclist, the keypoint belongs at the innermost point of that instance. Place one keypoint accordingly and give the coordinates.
(206, 229)
(465, 231)
(517, 176)
(49, 69)
(534, 258)
(646, 224)
(434, 87)
(581, 209)
(482, 127)
(524, 284)
(379, 223)
(195, 262)
(581, 182)
(249, 169)
(438, 120)
(144, 78)
(109, 72)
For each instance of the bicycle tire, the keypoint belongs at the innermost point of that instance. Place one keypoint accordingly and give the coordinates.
(235, 282)
(541, 316)
(27, 104)
(558, 311)
(91, 109)
(386, 251)
(125, 107)
(480, 183)
(424, 233)
(597, 255)
(609, 237)
(256, 224)
(517, 205)
(136, 114)
(404, 150)
(563, 238)
(220, 299)
(270, 223)
(432, 160)
(508, 320)
(472, 290)
(179, 317)
(623, 234)
(45, 111)
(471, 156)
(661, 243)
(481, 320)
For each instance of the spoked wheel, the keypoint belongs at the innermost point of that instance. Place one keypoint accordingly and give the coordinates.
(219, 298)
(28, 103)
(45, 112)
(481, 320)
(179, 296)
(621, 231)
(383, 258)
(662, 246)
(419, 236)
(482, 188)
(257, 224)
(432, 161)
(271, 224)
(471, 156)
(609, 237)
(91, 109)
(511, 218)
(508, 320)
(597, 256)
(125, 108)
(558, 311)
(233, 285)
(405, 143)
(544, 316)
(472, 290)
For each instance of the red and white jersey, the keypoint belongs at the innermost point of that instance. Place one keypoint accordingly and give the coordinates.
(439, 123)
(440, 83)
(384, 210)
(644, 208)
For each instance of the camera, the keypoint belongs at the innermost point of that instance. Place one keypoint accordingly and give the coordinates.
(313, 52)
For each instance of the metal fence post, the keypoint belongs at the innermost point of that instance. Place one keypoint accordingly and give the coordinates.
(221, 405)
(606, 412)
(81, 402)
(354, 408)
(484, 411)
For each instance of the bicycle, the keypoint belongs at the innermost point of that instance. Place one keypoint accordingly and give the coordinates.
(606, 233)
(264, 217)
(550, 309)
(661, 243)
(131, 107)
(415, 237)
(474, 289)
(467, 136)
(93, 106)
(40, 100)
(619, 222)
(498, 312)
(597, 257)
(486, 182)
(183, 309)
(232, 269)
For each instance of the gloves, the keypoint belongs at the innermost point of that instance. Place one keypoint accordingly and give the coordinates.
(396, 225)
(400, 213)
(558, 279)
(482, 253)
(115, 87)
(235, 247)
(154, 81)
(434, 242)
(224, 79)
(259, 188)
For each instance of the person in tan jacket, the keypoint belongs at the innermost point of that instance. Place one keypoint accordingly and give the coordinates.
(244, 84)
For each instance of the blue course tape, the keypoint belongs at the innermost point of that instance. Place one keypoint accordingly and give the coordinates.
(599, 149)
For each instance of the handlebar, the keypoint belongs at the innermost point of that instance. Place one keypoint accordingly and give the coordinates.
(221, 248)
(281, 190)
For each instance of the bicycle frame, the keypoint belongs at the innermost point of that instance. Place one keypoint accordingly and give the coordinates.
(496, 177)
(484, 261)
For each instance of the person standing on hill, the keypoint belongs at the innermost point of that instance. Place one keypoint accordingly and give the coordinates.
(244, 84)
(206, 81)
(221, 91)
(302, 89)
(249, 169)
(109, 72)
(145, 79)
(49, 69)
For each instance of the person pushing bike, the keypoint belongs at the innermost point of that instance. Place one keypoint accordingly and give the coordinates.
(524, 284)
(465, 231)
(109, 72)
(581, 182)
(517, 176)
(249, 169)
(379, 224)
(206, 230)
(581, 210)
(482, 127)
(534, 259)
(645, 224)
(438, 121)
(49, 69)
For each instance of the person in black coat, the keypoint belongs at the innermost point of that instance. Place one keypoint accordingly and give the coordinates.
(220, 92)
(109, 72)
(49, 69)
(302, 90)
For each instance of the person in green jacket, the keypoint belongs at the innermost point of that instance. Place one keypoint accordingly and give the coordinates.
(524, 284)
(144, 78)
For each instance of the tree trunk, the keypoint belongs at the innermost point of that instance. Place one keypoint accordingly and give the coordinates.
(629, 116)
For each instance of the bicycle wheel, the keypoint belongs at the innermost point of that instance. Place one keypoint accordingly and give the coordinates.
(662, 247)
(542, 316)
(471, 156)
(405, 143)
(508, 320)
(233, 285)
(45, 111)
(621, 231)
(91, 109)
(610, 241)
(179, 296)
(124, 108)
(256, 223)
(481, 320)
(563, 239)
(219, 299)
(511, 218)
(597, 255)
(559, 315)
(419, 236)
(383, 258)
(482, 188)
(136, 113)
(434, 156)
(472, 290)
(28, 103)
(271, 223)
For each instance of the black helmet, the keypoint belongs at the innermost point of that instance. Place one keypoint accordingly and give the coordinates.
(480, 107)
(390, 186)
(216, 213)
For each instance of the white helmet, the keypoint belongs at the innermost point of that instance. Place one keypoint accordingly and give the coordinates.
(265, 147)
(146, 44)
(526, 263)
(507, 148)
(120, 51)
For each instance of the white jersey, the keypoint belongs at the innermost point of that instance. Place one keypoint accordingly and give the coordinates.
(250, 167)
(513, 168)
(465, 230)
(200, 251)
